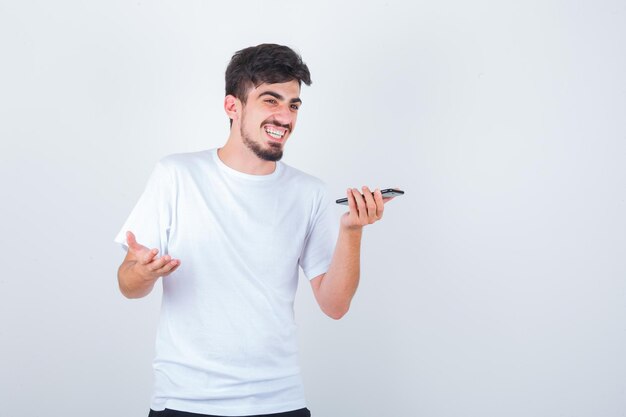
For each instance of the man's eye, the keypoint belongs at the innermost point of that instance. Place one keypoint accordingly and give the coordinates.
(295, 106)
(271, 101)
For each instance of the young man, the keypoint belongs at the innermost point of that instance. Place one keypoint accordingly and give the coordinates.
(231, 226)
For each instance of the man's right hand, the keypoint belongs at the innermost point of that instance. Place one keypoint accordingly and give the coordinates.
(146, 263)
(141, 268)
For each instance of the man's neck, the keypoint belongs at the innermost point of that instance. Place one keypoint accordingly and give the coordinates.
(238, 157)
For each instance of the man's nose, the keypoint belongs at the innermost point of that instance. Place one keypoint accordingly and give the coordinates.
(284, 115)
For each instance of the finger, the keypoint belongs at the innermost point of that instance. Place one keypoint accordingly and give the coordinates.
(170, 267)
(370, 203)
(135, 246)
(157, 264)
(360, 203)
(131, 240)
(380, 203)
(351, 202)
(148, 257)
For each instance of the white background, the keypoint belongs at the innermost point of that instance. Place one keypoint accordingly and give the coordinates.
(495, 287)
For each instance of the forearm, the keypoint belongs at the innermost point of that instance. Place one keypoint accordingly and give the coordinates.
(340, 282)
(132, 284)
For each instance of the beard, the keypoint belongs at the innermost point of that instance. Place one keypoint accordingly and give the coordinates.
(273, 153)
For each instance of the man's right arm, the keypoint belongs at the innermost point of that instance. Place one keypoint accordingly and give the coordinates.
(141, 268)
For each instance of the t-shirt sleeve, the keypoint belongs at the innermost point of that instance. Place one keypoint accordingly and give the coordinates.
(322, 237)
(151, 218)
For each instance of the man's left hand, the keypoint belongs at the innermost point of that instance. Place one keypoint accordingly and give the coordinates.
(366, 208)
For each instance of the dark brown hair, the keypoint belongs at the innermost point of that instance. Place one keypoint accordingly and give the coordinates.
(265, 63)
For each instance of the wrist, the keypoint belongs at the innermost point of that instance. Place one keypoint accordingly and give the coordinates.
(353, 230)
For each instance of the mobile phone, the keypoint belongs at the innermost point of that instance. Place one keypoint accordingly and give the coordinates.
(387, 192)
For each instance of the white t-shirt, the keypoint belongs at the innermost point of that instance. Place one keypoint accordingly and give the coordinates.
(226, 341)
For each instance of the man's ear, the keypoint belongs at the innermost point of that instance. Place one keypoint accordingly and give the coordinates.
(232, 106)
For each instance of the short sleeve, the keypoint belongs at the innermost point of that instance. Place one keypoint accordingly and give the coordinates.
(322, 236)
(151, 218)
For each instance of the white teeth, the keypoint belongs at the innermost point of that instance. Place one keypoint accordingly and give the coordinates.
(274, 133)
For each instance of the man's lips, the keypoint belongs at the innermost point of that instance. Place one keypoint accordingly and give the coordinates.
(274, 132)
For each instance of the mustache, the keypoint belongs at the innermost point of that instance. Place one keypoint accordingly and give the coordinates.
(276, 123)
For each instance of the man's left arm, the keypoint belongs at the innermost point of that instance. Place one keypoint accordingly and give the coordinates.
(334, 289)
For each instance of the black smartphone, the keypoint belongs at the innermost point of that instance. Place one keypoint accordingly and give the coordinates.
(387, 192)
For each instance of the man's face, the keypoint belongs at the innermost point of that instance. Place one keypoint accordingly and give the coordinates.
(269, 117)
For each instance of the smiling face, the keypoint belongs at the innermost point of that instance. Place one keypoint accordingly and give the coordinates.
(269, 117)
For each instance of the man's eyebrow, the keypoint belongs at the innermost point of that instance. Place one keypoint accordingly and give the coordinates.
(279, 97)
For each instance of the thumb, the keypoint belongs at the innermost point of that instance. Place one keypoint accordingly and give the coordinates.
(132, 241)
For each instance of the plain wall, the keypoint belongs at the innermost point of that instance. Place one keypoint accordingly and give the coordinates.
(495, 287)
